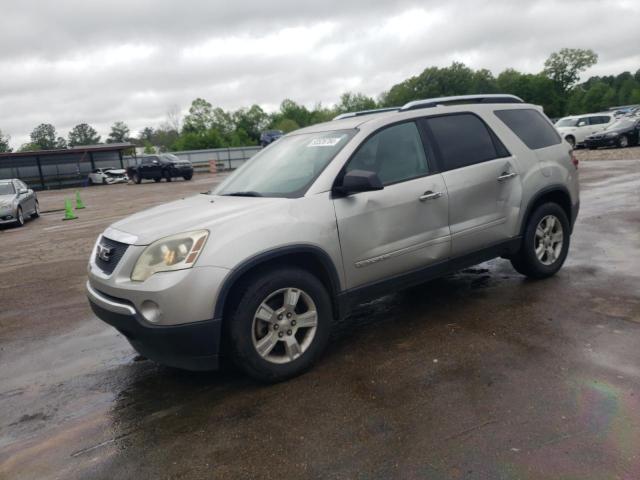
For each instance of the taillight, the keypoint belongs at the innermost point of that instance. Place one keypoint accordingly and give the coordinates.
(574, 160)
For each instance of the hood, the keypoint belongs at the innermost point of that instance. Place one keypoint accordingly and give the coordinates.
(8, 198)
(194, 213)
(115, 171)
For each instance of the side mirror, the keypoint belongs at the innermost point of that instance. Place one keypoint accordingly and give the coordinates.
(23, 191)
(582, 124)
(357, 181)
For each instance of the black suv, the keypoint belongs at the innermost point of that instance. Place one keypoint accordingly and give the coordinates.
(270, 136)
(157, 167)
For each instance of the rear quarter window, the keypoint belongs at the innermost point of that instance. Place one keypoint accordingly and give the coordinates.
(530, 127)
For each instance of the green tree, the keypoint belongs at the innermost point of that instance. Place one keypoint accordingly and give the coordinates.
(119, 133)
(354, 102)
(83, 134)
(286, 125)
(564, 67)
(148, 148)
(200, 116)
(61, 143)
(4, 143)
(252, 121)
(43, 137)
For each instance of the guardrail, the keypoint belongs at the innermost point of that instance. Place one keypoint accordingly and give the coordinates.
(225, 158)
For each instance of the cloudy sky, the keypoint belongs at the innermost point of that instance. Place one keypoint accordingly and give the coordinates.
(74, 61)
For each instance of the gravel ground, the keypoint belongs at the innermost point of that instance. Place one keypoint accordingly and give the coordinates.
(631, 153)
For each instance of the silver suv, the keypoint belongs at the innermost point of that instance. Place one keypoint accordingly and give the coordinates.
(330, 216)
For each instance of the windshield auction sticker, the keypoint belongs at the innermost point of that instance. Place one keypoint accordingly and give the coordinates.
(324, 142)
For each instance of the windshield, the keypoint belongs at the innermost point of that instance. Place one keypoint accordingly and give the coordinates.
(567, 122)
(286, 168)
(6, 189)
(621, 123)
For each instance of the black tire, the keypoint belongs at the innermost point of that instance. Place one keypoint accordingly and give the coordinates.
(623, 141)
(136, 178)
(19, 217)
(167, 176)
(187, 177)
(571, 141)
(36, 212)
(526, 261)
(240, 323)
(104, 181)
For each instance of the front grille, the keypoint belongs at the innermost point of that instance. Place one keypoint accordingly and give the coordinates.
(115, 252)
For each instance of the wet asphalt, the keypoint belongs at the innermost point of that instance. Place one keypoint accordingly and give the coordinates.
(479, 375)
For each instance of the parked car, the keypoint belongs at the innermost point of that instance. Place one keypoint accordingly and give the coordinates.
(270, 136)
(624, 132)
(108, 176)
(157, 167)
(330, 216)
(17, 201)
(575, 129)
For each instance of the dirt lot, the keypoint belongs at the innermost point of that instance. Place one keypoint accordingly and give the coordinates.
(480, 375)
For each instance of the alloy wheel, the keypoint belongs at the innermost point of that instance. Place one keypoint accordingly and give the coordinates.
(549, 239)
(284, 325)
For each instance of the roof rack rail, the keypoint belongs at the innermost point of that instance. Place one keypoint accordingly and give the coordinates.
(461, 99)
(366, 112)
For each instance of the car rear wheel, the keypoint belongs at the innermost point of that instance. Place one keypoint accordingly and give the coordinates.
(280, 324)
(545, 244)
(136, 178)
(167, 176)
(623, 141)
(36, 211)
(19, 217)
(187, 177)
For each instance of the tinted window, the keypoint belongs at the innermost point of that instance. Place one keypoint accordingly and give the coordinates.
(530, 126)
(464, 140)
(395, 154)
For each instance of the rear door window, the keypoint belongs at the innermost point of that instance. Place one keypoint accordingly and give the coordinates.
(530, 126)
(463, 139)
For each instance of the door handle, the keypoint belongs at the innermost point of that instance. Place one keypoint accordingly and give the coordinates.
(506, 176)
(429, 195)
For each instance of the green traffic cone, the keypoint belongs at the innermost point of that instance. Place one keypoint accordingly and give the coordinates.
(68, 211)
(79, 204)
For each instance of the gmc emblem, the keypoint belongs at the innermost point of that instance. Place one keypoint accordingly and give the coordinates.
(103, 253)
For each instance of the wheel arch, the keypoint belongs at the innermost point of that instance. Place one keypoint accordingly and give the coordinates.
(555, 193)
(308, 257)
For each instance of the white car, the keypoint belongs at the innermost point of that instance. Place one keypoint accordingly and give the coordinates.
(108, 176)
(577, 128)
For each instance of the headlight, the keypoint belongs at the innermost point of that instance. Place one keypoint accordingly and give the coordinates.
(176, 252)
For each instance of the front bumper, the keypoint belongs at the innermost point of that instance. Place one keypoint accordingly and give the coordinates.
(7, 215)
(190, 346)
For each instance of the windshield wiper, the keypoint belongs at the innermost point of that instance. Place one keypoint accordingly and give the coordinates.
(242, 194)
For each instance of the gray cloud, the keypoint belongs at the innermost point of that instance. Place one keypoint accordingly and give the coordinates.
(98, 62)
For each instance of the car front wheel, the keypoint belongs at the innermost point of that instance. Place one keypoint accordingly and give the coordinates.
(280, 324)
(545, 244)
(19, 217)
(36, 211)
(623, 141)
(136, 178)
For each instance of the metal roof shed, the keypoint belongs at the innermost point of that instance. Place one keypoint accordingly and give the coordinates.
(48, 169)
